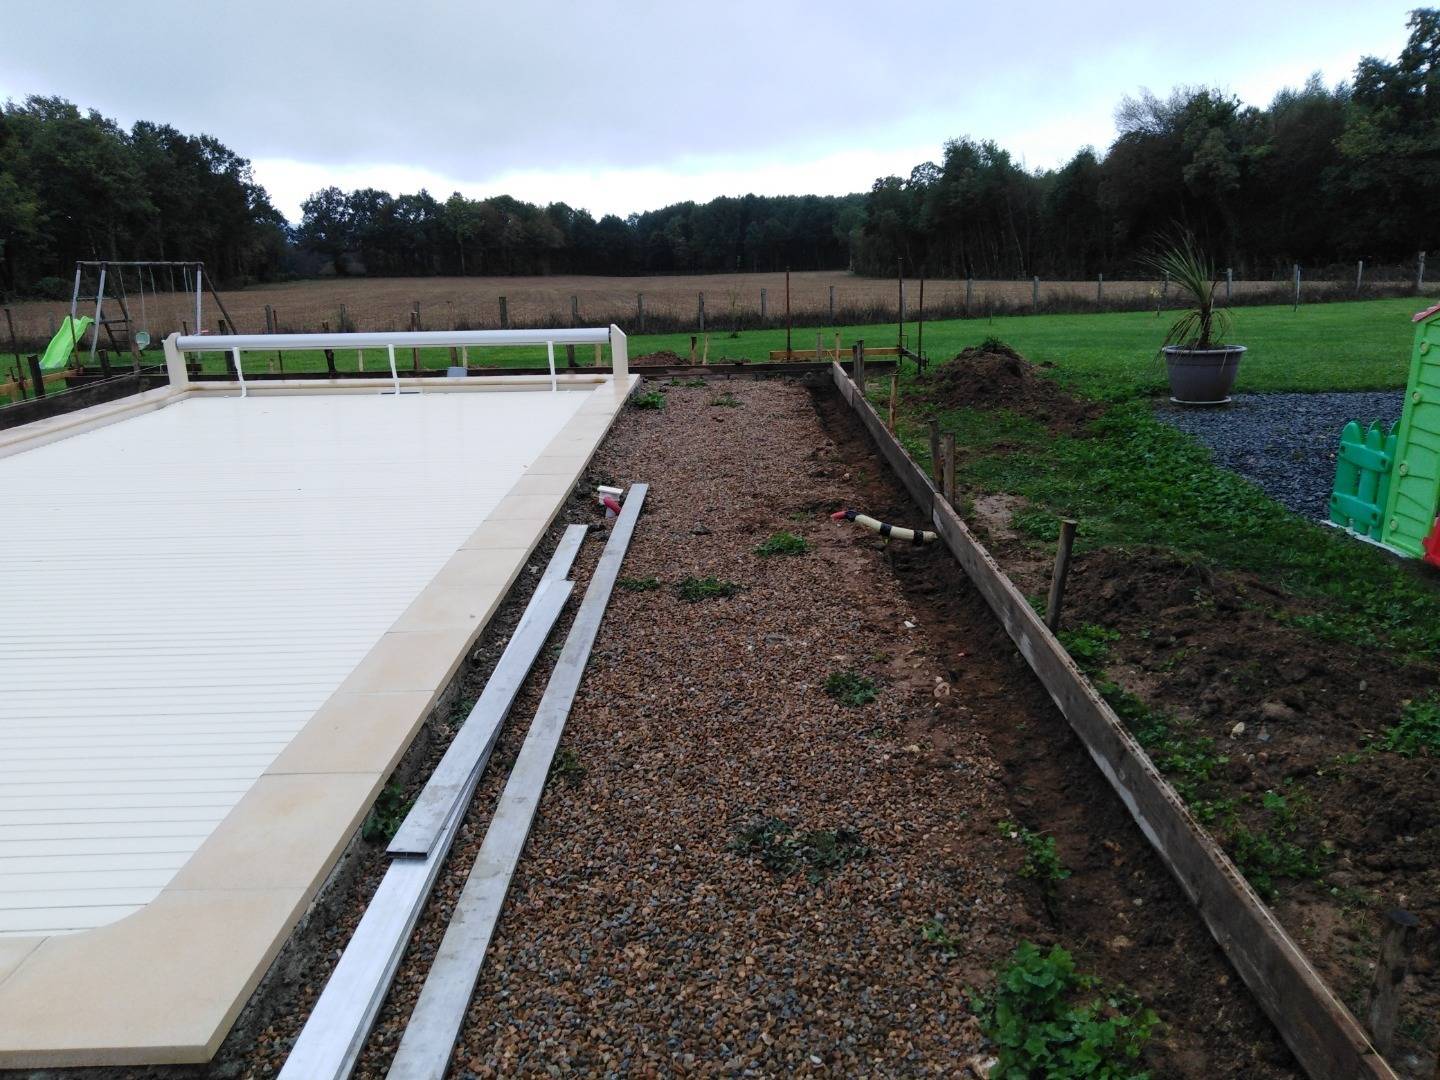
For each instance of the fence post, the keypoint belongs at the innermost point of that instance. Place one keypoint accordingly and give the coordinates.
(1420, 273)
(574, 311)
(1295, 304)
(832, 305)
(764, 308)
(1062, 571)
(1100, 289)
(858, 374)
(36, 375)
(969, 284)
(1359, 275)
(935, 472)
(1229, 281)
(504, 315)
(1165, 288)
(700, 312)
(329, 353)
(1035, 294)
(640, 310)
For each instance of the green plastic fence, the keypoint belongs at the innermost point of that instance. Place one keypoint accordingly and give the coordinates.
(1415, 480)
(1362, 478)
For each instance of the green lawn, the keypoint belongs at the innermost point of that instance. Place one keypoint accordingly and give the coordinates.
(1361, 345)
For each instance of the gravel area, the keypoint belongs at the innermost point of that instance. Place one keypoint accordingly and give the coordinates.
(1285, 443)
(635, 940)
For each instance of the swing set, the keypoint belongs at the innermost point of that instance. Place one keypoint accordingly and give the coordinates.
(108, 279)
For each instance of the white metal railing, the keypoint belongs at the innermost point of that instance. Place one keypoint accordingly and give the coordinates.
(177, 345)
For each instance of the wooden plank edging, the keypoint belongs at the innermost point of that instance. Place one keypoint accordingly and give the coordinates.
(1325, 1037)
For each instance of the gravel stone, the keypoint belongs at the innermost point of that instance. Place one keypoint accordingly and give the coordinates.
(1284, 443)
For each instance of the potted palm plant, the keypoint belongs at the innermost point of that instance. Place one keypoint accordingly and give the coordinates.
(1201, 367)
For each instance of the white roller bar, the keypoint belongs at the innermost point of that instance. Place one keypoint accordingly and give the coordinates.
(408, 339)
(177, 345)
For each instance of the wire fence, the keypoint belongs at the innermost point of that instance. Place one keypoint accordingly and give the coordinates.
(717, 302)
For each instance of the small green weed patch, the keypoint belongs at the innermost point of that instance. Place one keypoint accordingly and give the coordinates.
(643, 584)
(725, 401)
(566, 769)
(387, 815)
(651, 400)
(1418, 731)
(780, 849)
(695, 589)
(1048, 1020)
(1089, 646)
(1042, 861)
(851, 688)
(783, 543)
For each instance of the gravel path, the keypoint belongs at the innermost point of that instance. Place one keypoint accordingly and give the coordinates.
(1285, 443)
(634, 939)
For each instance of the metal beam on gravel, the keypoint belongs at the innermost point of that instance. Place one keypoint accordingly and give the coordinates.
(335, 1032)
(467, 754)
(429, 1039)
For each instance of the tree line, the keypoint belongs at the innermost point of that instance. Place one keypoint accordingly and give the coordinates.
(1320, 174)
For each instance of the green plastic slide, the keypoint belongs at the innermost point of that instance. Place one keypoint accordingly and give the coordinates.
(57, 353)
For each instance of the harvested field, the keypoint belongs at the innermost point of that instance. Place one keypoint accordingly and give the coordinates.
(670, 303)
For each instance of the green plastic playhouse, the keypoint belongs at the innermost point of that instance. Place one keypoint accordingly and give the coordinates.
(1387, 483)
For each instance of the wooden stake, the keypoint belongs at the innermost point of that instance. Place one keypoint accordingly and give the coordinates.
(947, 465)
(705, 350)
(693, 339)
(935, 453)
(858, 374)
(329, 353)
(894, 392)
(789, 323)
(36, 376)
(415, 325)
(597, 354)
(504, 315)
(14, 345)
(1062, 571)
(1383, 1006)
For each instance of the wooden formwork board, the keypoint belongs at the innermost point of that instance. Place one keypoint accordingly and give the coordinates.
(1325, 1037)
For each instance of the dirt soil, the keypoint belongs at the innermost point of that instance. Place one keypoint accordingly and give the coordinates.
(1215, 649)
(995, 376)
(638, 940)
(663, 358)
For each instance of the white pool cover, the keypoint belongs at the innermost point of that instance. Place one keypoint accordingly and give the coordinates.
(180, 591)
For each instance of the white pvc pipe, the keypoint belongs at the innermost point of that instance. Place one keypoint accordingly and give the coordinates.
(550, 352)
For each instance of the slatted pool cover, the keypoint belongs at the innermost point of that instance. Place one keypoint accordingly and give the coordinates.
(180, 591)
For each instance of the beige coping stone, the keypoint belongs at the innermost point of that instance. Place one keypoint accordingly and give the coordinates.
(444, 607)
(164, 984)
(356, 733)
(409, 660)
(475, 566)
(13, 950)
(161, 986)
(539, 509)
(544, 483)
(284, 833)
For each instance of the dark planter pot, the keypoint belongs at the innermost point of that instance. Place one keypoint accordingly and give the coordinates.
(1202, 376)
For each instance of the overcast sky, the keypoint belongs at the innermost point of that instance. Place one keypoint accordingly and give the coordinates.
(622, 107)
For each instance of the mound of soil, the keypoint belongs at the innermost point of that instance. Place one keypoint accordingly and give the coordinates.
(663, 358)
(995, 376)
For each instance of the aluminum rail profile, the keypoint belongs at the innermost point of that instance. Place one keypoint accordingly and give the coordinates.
(470, 749)
(408, 339)
(429, 1039)
(334, 1034)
